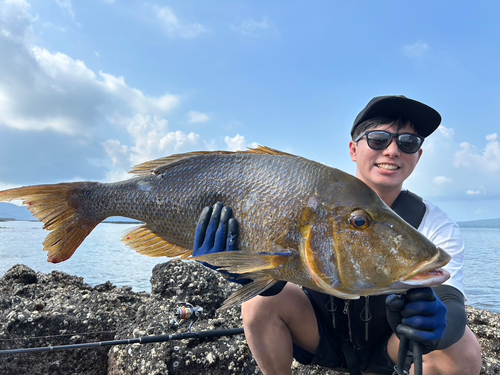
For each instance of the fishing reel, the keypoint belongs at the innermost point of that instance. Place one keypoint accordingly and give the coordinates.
(186, 312)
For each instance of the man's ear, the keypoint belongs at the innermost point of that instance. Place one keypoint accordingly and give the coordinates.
(352, 151)
(420, 152)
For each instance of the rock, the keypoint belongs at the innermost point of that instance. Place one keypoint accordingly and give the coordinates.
(39, 309)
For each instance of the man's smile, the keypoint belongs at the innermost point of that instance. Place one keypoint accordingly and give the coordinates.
(387, 167)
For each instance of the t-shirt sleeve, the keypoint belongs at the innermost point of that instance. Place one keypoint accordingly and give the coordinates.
(445, 233)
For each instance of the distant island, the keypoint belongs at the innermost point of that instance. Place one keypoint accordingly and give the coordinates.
(485, 223)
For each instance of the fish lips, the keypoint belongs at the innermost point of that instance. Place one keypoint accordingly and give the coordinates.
(429, 273)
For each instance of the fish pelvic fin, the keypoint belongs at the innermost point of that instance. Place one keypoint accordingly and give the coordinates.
(52, 205)
(146, 242)
(261, 282)
(243, 262)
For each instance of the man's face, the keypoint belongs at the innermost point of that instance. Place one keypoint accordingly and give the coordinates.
(385, 169)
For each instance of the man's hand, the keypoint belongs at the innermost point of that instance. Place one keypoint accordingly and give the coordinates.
(419, 315)
(217, 231)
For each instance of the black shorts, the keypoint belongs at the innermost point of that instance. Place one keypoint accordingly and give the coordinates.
(373, 359)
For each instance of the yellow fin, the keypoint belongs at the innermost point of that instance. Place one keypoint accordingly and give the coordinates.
(146, 242)
(242, 262)
(266, 151)
(51, 204)
(260, 283)
(158, 166)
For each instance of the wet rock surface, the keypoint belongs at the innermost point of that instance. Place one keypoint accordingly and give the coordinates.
(39, 310)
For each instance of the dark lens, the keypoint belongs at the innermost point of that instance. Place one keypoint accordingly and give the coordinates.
(378, 140)
(409, 143)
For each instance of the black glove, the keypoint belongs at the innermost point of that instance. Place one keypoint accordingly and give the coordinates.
(419, 315)
(217, 231)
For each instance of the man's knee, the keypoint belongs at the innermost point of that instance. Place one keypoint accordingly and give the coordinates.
(463, 357)
(289, 311)
(266, 309)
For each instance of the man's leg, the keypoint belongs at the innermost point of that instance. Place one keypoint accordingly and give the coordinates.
(463, 357)
(273, 324)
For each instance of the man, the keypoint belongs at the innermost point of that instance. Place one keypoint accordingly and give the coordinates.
(288, 322)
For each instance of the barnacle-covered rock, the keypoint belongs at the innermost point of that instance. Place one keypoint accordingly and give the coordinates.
(39, 309)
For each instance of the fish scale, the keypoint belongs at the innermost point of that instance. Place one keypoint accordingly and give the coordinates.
(300, 221)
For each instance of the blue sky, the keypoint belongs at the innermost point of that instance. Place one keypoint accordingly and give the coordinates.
(90, 88)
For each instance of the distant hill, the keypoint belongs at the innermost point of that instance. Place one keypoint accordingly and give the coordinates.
(10, 211)
(486, 223)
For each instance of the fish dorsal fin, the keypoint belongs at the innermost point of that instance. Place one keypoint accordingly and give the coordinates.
(154, 166)
(146, 242)
(263, 150)
(261, 282)
(157, 166)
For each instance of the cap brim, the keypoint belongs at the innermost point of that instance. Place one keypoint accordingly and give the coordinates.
(425, 118)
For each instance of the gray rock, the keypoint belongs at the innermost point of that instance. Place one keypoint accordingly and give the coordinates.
(39, 309)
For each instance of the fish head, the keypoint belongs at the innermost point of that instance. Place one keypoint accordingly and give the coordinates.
(375, 250)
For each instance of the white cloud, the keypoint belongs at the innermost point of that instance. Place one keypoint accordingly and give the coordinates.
(238, 143)
(458, 170)
(442, 180)
(151, 139)
(195, 117)
(472, 192)
(251, 27)
(416, 50)
(176, 28)
(487, 159)
(67, 6)
(44, 90)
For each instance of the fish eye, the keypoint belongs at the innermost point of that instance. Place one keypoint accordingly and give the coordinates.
(359, 219)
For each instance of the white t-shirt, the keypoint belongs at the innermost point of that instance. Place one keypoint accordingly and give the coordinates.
(445, 233)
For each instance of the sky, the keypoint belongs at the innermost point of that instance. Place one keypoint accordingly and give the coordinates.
(90, 88)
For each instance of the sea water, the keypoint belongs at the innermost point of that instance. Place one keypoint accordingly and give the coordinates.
(102, 257)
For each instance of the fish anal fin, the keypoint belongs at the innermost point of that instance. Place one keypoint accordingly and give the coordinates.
(261, 282)
(146, 242)
(242, 262)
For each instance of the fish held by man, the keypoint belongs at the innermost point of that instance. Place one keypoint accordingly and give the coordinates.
(300, 221)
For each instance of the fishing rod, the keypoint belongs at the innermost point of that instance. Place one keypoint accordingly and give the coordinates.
(138, 340)
(404, 345)
(185, 312)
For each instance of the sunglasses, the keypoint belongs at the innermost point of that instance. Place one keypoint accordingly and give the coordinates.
(380, 140)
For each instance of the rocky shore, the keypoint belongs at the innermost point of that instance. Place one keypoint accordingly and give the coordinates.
(38, 310)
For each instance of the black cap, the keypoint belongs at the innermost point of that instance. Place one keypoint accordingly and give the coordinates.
(425, 118)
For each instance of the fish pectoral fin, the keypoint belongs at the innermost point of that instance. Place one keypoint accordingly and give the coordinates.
(261, 282)
(146, 242)
(242, 262)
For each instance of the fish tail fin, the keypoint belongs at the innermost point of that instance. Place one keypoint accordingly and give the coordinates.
(52, 204)
(261, 282)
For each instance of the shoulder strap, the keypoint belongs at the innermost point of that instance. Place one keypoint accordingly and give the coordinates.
(410, 207)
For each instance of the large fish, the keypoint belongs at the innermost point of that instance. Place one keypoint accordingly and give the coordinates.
(300, 221)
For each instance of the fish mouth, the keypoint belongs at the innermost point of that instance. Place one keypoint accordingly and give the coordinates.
(429, 273)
